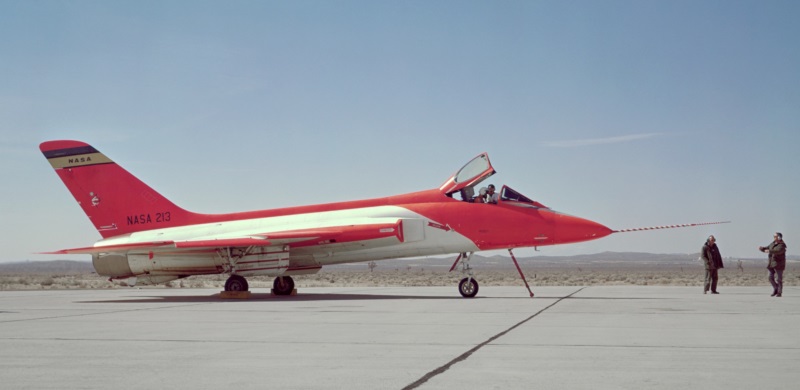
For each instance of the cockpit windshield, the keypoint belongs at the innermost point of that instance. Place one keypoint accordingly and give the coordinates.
(510, 195)
(507, 196)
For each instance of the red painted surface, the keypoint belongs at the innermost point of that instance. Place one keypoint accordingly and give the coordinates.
(118, 203)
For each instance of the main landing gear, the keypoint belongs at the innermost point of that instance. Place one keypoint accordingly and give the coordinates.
(254, 256)
(283, 285)
(236, 283)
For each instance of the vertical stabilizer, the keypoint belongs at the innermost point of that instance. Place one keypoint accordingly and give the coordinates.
(114, 200)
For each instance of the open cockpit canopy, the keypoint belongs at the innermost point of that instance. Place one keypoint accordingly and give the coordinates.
(466, 180)
(470, 175)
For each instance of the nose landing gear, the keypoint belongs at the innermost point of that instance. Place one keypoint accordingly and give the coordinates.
(468, 287)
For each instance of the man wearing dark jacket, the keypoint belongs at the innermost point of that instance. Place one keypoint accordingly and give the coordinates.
(777, 263)
(713, 262)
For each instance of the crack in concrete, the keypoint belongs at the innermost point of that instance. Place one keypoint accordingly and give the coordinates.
(464, 356)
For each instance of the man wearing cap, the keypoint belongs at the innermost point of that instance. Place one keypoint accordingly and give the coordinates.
(713, 262)
(491, 196)
(777, 263)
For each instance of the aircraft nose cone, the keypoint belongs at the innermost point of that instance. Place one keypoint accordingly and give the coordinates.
(573, 229)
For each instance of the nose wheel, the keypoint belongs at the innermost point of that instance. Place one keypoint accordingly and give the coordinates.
(468, 287)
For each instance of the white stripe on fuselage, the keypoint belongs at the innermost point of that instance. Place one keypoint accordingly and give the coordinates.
(436, 241)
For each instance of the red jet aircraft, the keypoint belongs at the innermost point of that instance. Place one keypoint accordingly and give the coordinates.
(150, 240)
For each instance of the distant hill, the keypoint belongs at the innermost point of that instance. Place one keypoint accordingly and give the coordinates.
(50, 267)
(604, 259)
(629, 260)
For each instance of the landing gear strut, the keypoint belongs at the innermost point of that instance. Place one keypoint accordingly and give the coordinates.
(236, 283)
(468, 287)
(283, 285)
(521, 275)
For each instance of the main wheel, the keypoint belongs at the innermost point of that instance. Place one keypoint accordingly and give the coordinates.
(468, 290)
(236, 283)
(283, 285)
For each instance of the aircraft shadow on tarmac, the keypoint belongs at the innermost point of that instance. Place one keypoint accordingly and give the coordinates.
(262, 297)
(259, 297)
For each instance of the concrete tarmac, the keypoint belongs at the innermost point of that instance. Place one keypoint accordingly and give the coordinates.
(611, 337)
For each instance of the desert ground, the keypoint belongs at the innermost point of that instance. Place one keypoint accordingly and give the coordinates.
(412, 274)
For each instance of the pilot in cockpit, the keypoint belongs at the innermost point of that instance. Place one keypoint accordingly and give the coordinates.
(481, 198)
(466, 194)
(491, 196)
(485, 195)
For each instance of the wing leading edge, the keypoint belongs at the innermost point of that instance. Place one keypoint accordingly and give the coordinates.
(389, 233)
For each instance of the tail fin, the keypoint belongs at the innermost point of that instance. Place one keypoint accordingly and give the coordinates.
(114, 200)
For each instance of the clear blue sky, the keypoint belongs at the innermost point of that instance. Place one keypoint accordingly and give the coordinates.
(628, 113)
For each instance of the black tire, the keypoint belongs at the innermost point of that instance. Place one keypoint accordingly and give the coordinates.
(236, 283)
(283, 285)
(468, 290)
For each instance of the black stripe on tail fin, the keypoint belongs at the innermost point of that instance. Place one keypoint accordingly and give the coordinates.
(115, 201)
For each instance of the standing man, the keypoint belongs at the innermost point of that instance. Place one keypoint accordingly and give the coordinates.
(777, 263)
(713, 262)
